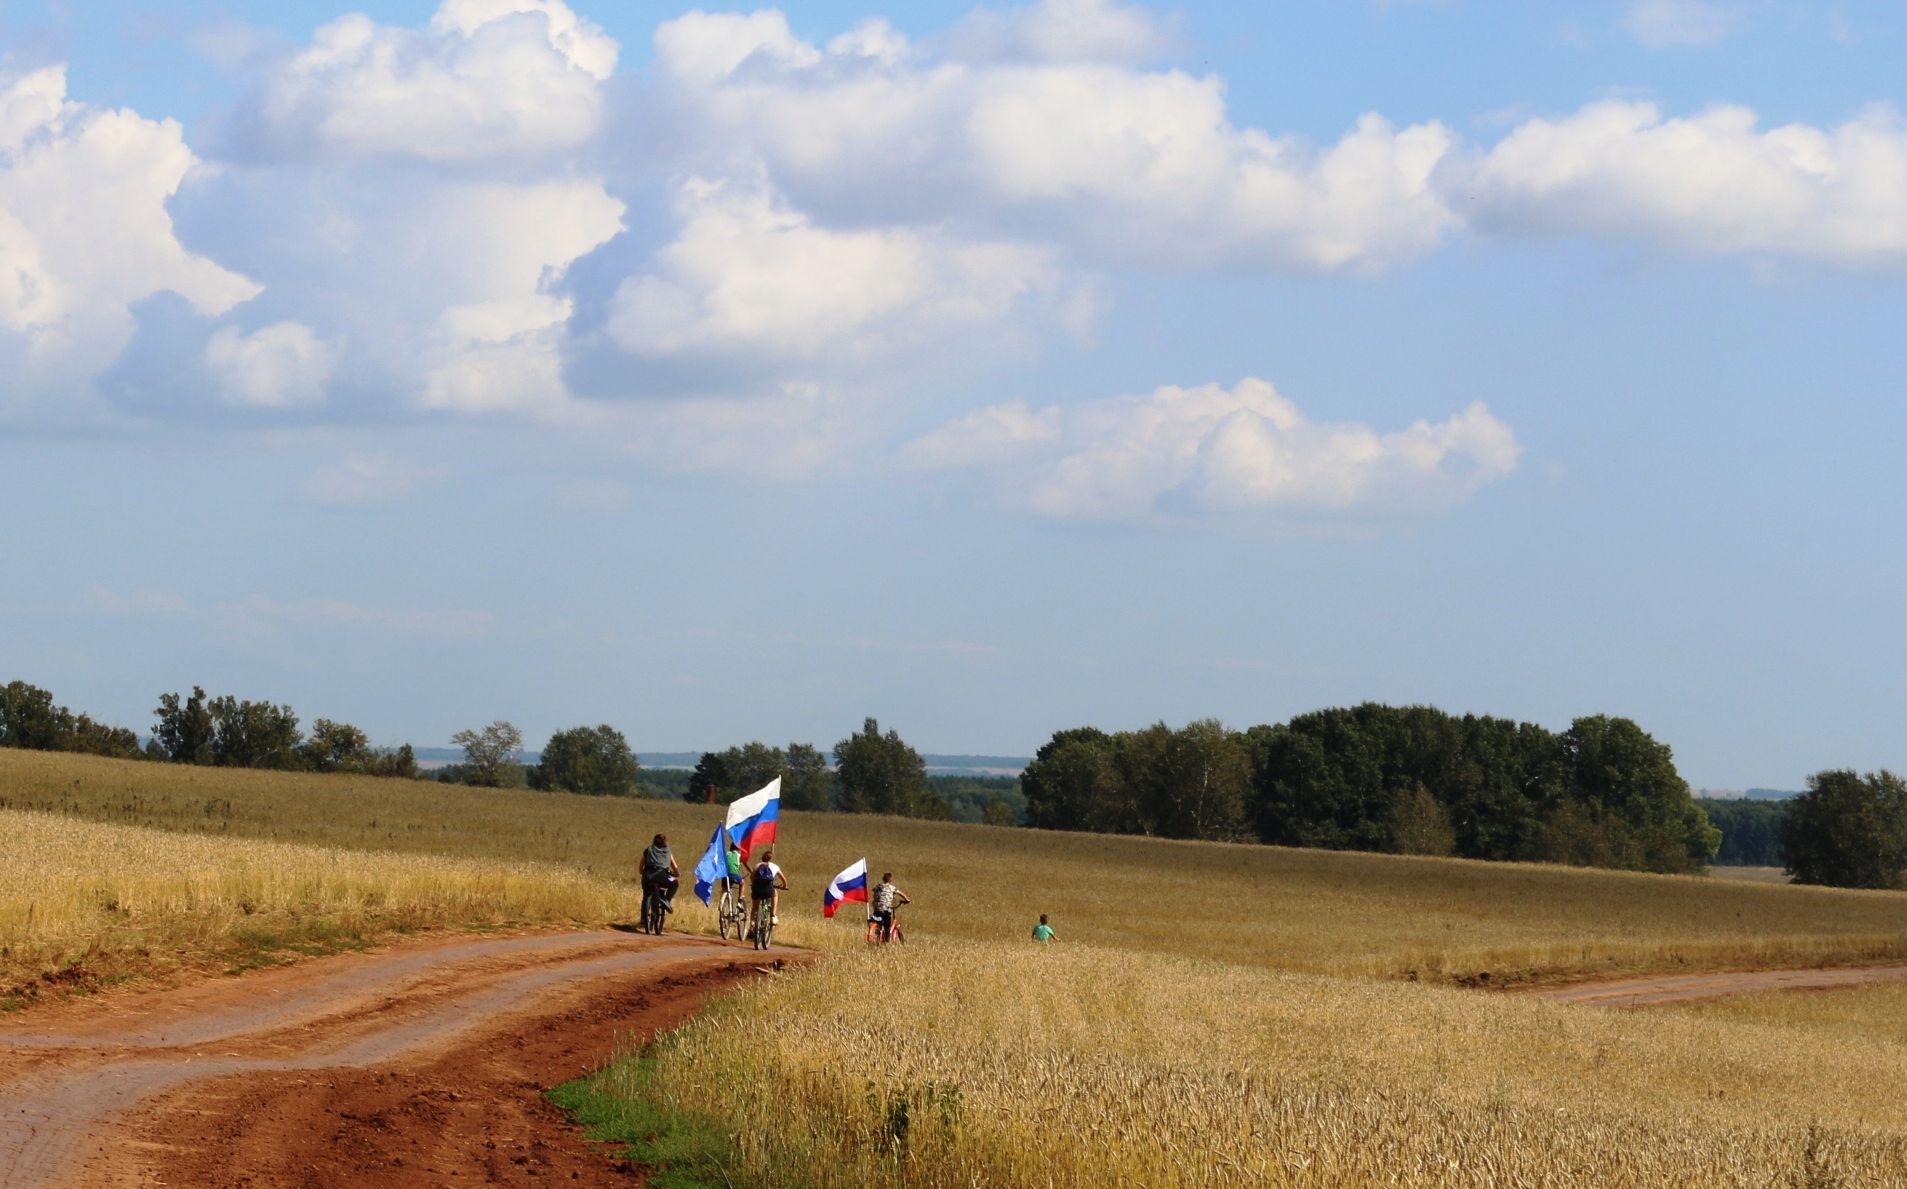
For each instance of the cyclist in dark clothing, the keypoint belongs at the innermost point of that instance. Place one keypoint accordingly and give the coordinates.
(659, 872)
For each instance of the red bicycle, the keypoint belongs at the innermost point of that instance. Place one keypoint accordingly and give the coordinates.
(894, 933)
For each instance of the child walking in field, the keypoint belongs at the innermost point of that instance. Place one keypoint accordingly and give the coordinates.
(1043, 932)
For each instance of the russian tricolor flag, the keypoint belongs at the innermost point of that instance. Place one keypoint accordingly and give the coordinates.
(849, 885)
(751, 819)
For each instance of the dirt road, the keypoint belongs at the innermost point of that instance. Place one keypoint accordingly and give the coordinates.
(419, 1064)
(1682, 988)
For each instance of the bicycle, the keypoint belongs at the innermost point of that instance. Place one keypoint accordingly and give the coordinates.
(894, 933)
(655, 907)
(764, 931)
(731, 916)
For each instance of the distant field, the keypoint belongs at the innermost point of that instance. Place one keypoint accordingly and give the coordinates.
(1212, 1015)
(1319, 911)
(1751, 874)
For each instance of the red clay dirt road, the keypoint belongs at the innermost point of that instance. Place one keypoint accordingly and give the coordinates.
(420, 1064)
(1648, 990)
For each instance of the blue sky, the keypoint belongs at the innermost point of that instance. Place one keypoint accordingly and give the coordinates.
(743, 373)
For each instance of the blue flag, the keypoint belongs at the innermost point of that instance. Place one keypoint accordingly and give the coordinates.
(712, 866)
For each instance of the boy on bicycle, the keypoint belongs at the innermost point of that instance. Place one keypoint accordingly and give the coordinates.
(887, 898)
(766, 884)
(734, 869)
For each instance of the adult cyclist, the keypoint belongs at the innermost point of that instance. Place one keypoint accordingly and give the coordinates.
(765, 884)
(659, 872)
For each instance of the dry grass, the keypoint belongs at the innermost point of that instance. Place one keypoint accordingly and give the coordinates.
(1003, 1064)
(1874, 1013)
(1214, 1015)
(83, 901)
(1430, 919)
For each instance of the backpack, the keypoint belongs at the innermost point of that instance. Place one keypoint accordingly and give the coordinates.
(763, 882)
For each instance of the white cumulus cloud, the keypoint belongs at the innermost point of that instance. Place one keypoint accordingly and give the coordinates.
(747, 273)
(85, 233)
(1109, 159)
(1714, 182)
(1212, 450)
(274, 367)
(486, 78)
(993, 434)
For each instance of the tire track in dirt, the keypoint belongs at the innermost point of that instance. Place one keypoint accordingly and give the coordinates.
(1649, 990)
(213, 1083)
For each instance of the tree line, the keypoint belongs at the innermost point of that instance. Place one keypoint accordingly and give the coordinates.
(1410, 779)
(595, 761)
(1751, 830)
(873, 772)
(224, 732)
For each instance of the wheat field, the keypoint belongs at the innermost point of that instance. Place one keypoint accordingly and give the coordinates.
(83, 902)
(1212, 1015)
(1006, 1064)
(1436, 920)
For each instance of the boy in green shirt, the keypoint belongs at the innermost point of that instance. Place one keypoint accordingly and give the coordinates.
(1043, 932)
(735, 868)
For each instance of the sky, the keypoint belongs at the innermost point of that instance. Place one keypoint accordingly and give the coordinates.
(743, 373)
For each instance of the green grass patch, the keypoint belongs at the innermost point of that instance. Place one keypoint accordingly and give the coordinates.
(619, 1105)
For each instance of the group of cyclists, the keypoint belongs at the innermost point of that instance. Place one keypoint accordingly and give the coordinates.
(765, 884)
(766, 881)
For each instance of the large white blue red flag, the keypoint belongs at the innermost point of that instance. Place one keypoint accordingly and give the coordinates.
(751, 819)
(848, 886)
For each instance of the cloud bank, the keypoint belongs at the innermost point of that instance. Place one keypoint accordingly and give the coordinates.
(766, 239)
(1212, 450)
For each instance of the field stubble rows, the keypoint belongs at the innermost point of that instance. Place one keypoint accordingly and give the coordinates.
(1213, 1014)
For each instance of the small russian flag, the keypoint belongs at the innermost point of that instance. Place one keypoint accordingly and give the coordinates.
(849, 885)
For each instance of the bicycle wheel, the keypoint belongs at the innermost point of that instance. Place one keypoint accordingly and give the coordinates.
(722, 921)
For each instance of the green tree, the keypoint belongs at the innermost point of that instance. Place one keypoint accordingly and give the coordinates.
(96, 738)
(1626, 784)
(1197, 782)
(881, 774)
(1847, 830)
(592, 760)
(807, 783)
(336, 747)
(1072, 777)
(1751, 830)
(710, 781)
(723, 776)
(184, 728)
(30, 719)
(491, 755)
(1419, 826)
(399, 762)
(254, 734)
(999, 812)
